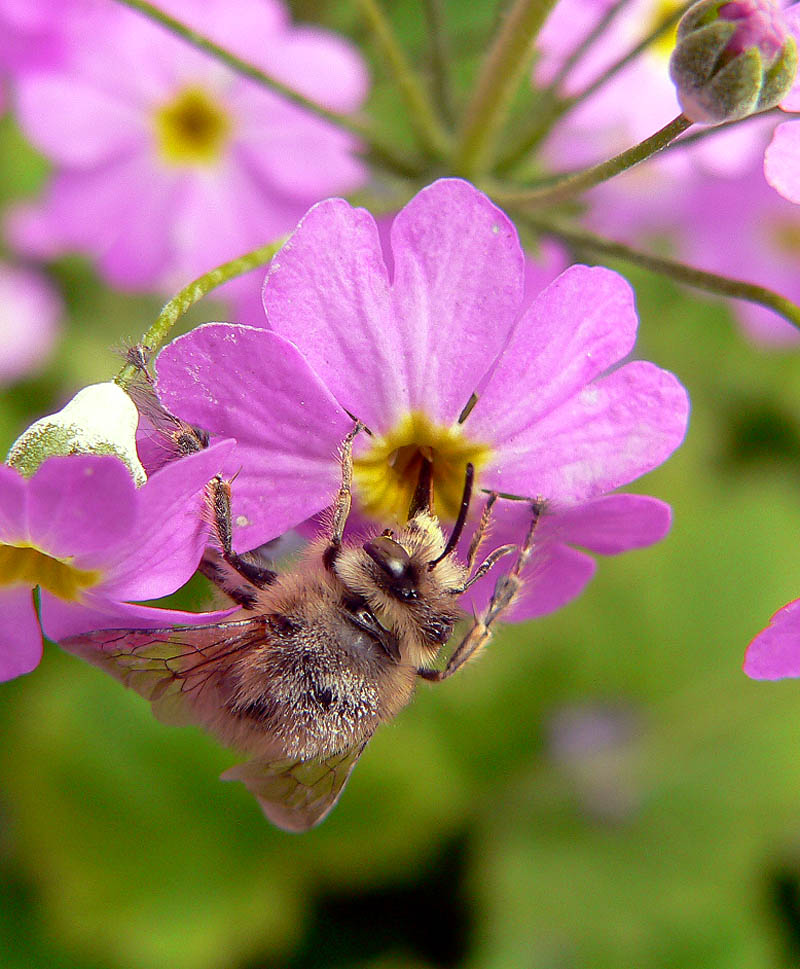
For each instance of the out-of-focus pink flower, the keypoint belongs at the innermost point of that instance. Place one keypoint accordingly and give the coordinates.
(95, 545)
(775, 652)
(29, 316)
(167, 163)
(404, 352)
(782, 158)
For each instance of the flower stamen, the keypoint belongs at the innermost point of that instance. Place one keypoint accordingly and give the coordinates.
(386, 475)
(192, 129)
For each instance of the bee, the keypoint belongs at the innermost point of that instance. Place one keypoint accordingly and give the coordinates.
(321, 656)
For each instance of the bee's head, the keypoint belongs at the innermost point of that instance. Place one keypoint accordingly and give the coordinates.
(411, 579)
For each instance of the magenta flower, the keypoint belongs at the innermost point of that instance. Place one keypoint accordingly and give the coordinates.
(167, 163)
(29, 318)
(782, 158)
(405, 352)
(775, 652)
(96, 546)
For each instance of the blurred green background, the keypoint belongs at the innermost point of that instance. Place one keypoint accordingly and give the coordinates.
(604, 788)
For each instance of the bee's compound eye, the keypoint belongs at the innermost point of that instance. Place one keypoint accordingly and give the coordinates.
(389, 555)
(395, 563)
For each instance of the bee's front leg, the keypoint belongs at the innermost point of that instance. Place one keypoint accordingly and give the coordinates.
(341, 507)
(505, 592)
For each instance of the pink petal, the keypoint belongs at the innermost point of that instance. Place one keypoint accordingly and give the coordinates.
(615, 523)
(458, 278)
(782, 161)
(74, 122)
(80, 505)
(253, 385)
(20, 638)
(579, 326)
(61, 619)
(29, 314)
(614, 430)
(327, 291)
(171, 529)
(775, 652)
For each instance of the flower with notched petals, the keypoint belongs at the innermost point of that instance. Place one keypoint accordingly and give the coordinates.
(555, 416)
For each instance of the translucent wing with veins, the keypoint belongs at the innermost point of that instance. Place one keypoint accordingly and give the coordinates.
(186, 674)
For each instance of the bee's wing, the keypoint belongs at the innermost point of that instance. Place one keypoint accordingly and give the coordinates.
(296, 794)
(180, 670)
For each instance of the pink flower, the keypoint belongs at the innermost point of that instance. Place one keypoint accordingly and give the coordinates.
(782, 158)
(404, 352)
(29, 318)
(775, 652)
(95, 545)
(167, 163)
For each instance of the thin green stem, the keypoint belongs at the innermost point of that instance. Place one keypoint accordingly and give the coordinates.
(194, 292)
(503, 69)
(381, 151)
(572, 185)
(422, 114)
(551, 107)
(680, 272)
(439, 59)
(588, 42)
(709, 131)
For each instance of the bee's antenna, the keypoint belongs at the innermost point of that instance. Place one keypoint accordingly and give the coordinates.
(458, 528)
(423, 494)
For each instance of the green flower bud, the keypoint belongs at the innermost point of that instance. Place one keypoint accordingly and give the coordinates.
(732, 59)
(100, 419)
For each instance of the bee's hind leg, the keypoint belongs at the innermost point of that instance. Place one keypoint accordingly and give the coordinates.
(505, 592)
(247, 567)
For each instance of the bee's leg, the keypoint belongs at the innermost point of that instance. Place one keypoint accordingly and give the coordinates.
(480, 531)
(219, 496)
(505, 592)
(341, 507)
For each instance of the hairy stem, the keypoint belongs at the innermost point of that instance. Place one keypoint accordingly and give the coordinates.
(439, 59)
(680, 272)
(194, 292)
(422, 115)
(572, 185)
(381, 151)
(503, 69)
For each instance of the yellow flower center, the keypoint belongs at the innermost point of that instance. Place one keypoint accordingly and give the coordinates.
(786, 236)
(665, 44)
(23, 565)
(386, 476)
(192, 129)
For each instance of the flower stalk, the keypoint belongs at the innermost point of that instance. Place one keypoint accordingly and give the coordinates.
(572, 185)
(426, 124)
(680, 272)
(192, 294)
(503, 69)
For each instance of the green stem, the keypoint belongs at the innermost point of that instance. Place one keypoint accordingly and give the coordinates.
(502, 71)
(680, 272)
(191, 294)
(422, 115)
(381, 151)
(571, 185)
(708, 131)
(439, 59)
(552, 107)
